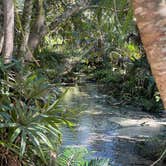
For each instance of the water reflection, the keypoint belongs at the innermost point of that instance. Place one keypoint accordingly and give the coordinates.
(110, 132)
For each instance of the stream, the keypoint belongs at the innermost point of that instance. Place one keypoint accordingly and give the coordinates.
(125, 135)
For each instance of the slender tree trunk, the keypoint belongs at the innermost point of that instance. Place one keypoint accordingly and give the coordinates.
(38, 30)
(151, 20)
(8, 30)
(1, 41)
(1, 28)
(25, 20)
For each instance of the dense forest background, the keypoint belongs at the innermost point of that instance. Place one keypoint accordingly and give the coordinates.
(47, 43)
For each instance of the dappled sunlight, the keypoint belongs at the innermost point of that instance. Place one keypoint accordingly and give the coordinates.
(89, 75)
(73, 92)
(93, 112)
(127, 122)
(104, 129)
(144, 131)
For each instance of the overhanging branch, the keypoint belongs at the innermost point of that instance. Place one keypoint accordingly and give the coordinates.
(75, 9)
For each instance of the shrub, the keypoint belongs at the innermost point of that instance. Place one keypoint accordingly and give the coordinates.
(29, 118)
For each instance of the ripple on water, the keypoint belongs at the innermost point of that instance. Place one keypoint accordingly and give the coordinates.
(109, 132)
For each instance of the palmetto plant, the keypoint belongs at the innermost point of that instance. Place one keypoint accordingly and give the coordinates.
(29, 118)
(77, 157)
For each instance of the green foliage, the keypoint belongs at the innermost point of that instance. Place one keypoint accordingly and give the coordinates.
(77, 157)
(29, 116)
(133, 84)
(108, 76)
(51, 64)
(72, 157)
(98, 162)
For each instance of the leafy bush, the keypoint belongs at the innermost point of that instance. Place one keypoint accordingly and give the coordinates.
(133, 84)
(29, 117)
(77, 157)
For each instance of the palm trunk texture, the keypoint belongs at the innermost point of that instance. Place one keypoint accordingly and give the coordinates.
(151, 20)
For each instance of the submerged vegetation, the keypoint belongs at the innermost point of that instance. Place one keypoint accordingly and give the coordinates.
(49, 43)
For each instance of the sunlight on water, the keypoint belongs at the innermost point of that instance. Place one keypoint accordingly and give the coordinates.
(110, 132)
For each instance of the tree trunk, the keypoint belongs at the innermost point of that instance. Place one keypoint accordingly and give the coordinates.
(1, 28)
(8, 30)
(151, 20)
(1, 41)
(25, 21)
(38, 30)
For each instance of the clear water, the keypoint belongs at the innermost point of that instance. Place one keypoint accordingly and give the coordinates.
(114, 133)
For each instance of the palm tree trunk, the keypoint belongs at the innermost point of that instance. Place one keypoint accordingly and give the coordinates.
(151, 20)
